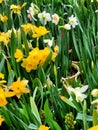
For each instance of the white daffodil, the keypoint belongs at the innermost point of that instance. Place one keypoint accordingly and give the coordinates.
(73, 21)
(79, 92)
(44, 17)
(49, 42)
(32, 11)
(55, 19)
(67, 26)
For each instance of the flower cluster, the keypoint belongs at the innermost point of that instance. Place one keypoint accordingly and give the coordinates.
(30, 63)
(73, 22)
(69, 120)
(44, 17)
(16, 89)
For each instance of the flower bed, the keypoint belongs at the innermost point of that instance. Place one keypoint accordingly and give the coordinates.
(35, 38)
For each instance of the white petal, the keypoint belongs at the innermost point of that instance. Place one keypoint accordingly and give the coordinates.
(84, 88)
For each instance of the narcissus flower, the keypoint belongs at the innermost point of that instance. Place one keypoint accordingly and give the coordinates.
(16, 9)
(55, 19)
(1, 120)
(5, 37)
(28, 28)
(48, 41)
(94, 128)
(32, 11)
(36, 57)
(39, 31)
(19, 87)
(73, 21)
(3, 18)
(44, 17)
(43, 127)
(18, 55)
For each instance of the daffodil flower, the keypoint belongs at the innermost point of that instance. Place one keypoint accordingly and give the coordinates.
(1, 120)
(55, 19)
(79, 92)
(43, 127)
(94, 128)
(73, 21)
(39, 31)
(44, 17)
(16, 9)
(19, 87)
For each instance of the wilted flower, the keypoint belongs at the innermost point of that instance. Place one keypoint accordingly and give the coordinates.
(44, 17)
(16, 9)
(73, 21)
(55, 18)
(43, 127)
(18, 55)
(32, 11)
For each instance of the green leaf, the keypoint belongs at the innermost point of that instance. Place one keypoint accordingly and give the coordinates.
(84, 115)
(69, 103)
(48, 113)
(49, 118)
(32, 126)
(2, 64)
(80, 117)
(38, 83)
(95, 117)
(34, 110)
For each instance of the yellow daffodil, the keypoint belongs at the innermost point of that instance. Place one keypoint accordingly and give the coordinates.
(43, 127)
(36, 57)
(18, 55)
(3, 18)
(5, 37)
(28, 28)
(94, 92)
(1, 76)
(3, 95)
(16, 9)
(45, 53)
(1, 120)
(94, 128)
(39, 31)
(19, 87)
(1, 1)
